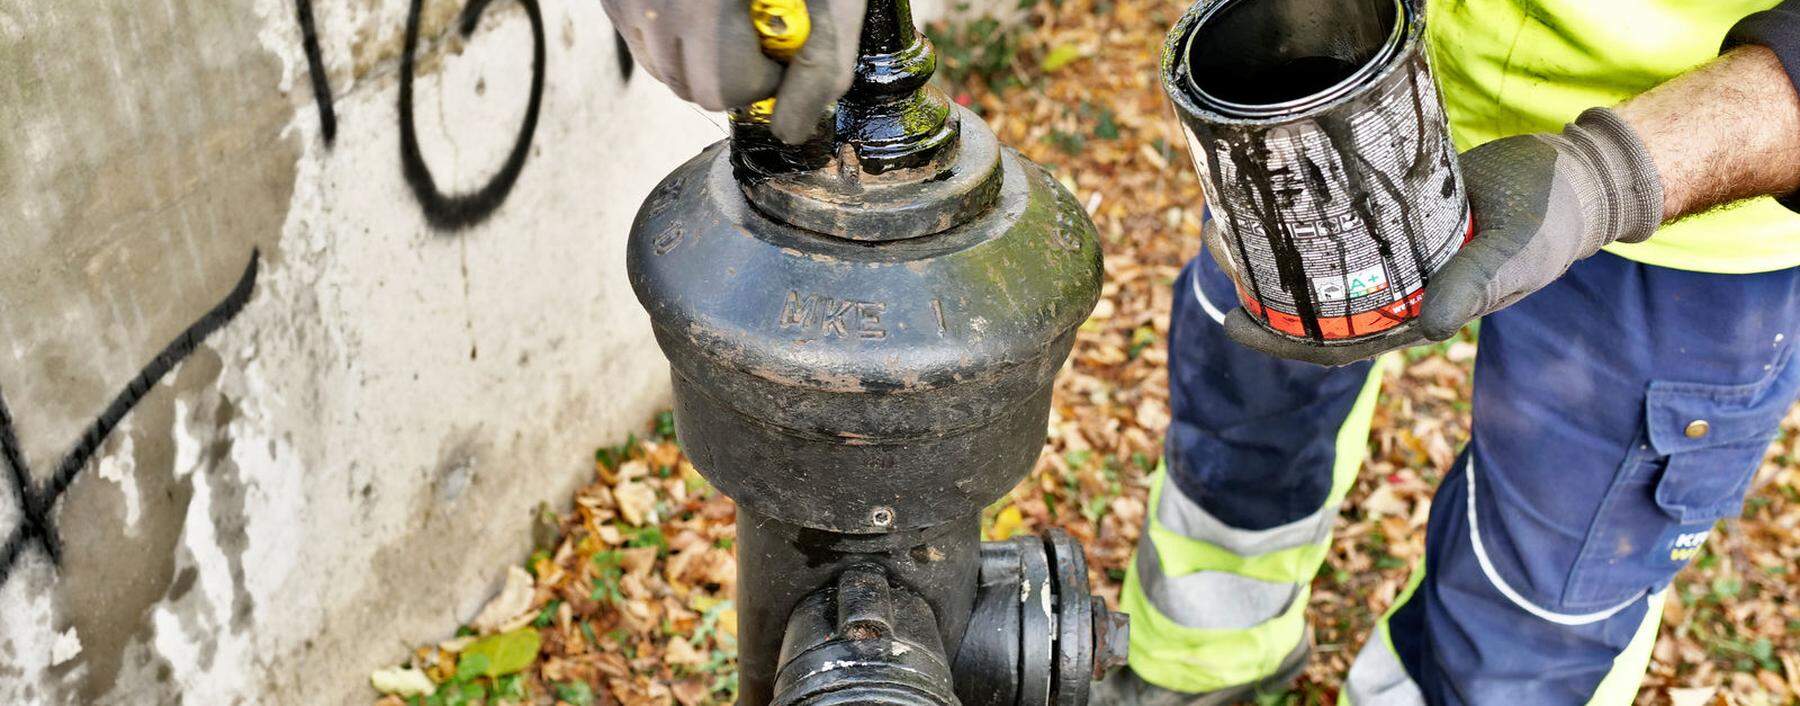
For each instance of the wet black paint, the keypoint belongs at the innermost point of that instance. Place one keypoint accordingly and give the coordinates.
(1358, 176)
(1289, 80)
(1250, 159)
(1209, 143)
(1323, 208)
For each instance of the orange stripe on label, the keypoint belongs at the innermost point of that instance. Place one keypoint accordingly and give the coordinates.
(1354, 326)
(1338, 328)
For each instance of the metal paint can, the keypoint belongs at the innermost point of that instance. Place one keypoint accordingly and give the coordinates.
(1321, 142)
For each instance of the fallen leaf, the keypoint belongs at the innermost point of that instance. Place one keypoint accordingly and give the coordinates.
(728, 621)
(457, 644)
(505, 653)
(437, 663)
(1060, 56)
(402, 681)
(691, 692)
(514, 600)
(637, 561)
(637, 502)
(1385, 501)
(1693, 696)
(680, 652)
(1007, 523)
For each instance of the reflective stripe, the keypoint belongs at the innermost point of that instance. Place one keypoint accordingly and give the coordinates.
(1620, 686)
(1377, 678)
(1206, 304)
(1212, 606)
(1182, 555)
(1211, 600)
(1196, 660)
(1182, 516)
(1493, 576)
(1197, 541)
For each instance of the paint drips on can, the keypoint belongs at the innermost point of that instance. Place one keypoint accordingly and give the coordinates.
(1320, 139)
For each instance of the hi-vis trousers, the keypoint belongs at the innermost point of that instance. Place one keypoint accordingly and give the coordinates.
(1617, 415)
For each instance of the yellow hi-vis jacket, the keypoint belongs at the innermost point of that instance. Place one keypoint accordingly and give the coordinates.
(1516, 66)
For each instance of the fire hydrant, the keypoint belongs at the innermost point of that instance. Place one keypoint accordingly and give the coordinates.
(863, 331)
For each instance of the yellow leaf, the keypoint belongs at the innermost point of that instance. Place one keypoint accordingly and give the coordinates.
(703, 603)
(1007, 523)
(1062, 55)
(728, 621)
(507, 652)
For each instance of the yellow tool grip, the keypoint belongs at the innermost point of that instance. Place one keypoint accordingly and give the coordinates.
(783, 26)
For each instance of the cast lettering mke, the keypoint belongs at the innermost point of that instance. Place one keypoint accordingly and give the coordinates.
(832, 317)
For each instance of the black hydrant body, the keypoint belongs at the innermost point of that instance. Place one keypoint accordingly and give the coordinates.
(863, 332)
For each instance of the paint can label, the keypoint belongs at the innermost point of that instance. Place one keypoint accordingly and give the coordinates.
(1332, 217)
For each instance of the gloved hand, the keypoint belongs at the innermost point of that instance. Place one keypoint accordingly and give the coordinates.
(1541, 202)
(708, 52)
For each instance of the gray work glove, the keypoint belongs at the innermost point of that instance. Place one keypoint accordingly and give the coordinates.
(1541, 202)
(708, 52)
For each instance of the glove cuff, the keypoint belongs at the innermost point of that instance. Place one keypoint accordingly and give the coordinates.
(1633, 199)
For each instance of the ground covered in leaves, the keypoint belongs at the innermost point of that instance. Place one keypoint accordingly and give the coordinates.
(628, 598)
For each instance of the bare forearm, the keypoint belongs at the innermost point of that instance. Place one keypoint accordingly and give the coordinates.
(1726, 131)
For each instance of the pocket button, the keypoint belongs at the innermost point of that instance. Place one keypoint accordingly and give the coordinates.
(1697, 428)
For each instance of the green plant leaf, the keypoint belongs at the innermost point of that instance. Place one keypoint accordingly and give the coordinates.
(511, 688)
(502, 654)
(577, 693)
(471, 666)
(547, 615)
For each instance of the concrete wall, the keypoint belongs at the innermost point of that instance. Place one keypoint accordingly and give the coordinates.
(379, 364)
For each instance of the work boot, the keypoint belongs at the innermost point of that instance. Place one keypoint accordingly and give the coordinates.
(1125, 688)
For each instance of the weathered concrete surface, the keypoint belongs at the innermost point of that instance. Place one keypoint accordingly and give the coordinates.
(345, 466)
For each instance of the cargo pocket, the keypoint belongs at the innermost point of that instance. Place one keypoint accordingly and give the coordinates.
(1691, 466)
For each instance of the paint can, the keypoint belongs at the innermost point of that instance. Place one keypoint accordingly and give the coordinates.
(1321, 142)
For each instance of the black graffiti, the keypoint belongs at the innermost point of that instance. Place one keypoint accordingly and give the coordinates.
(451, 212)
(446, 212)
(35, 502)
(321, 85)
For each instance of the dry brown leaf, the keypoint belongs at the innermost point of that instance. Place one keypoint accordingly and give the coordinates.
(691, 691)
(637, 502)
(513, 600)
(1692, 696)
